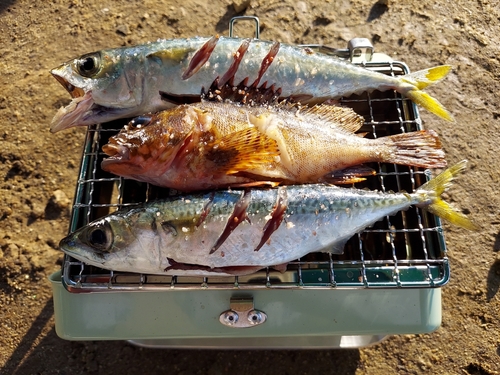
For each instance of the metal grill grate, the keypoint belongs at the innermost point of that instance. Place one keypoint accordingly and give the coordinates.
(404, 250)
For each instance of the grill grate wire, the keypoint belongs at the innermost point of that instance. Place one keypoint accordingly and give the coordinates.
(404, 250)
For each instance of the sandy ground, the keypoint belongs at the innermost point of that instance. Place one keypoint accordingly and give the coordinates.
(38, 172)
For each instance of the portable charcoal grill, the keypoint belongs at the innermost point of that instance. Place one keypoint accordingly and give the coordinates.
(386, 282)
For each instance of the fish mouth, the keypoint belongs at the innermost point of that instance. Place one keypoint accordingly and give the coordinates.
(69, 246)
(119, 161)
(82, 110)
(116, 151)
(74, 114)
(75, 92)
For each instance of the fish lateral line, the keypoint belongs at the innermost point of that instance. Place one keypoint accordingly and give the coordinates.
(238, 215)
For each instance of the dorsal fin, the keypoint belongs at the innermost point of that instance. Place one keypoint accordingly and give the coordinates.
(223, 89)
(343, 117)
(242, 93)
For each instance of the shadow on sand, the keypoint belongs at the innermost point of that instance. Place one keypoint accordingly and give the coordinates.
(53, 355)
(5, 4)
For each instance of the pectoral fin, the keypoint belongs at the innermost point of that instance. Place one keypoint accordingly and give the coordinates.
(170, 56)
(338, 247)
(242, 151)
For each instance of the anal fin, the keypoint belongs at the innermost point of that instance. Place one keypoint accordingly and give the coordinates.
(349, 175)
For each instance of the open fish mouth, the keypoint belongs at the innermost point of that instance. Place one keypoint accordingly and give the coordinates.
(119, 159)
(75, 92)
(74, 114)
(82, 110)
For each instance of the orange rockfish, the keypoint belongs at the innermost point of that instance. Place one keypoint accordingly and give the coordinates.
(222, 144)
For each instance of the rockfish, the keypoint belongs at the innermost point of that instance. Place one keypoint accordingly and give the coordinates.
(237, 232)
(222, 144)
(125, 82)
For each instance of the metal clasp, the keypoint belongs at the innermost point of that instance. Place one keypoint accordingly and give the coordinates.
(242, 314)
(243, 18)
(360, 49)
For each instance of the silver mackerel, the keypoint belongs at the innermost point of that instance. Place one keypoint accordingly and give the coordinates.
(126, 82)
(241, 231)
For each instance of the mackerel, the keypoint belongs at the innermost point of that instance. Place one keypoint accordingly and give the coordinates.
(237, 232)
(125, 82)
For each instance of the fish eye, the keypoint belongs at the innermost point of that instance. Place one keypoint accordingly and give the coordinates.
(99, 236)
(140, 122)
(88, 65)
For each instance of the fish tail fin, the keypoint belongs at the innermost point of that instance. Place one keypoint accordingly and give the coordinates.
(420, 80)
(430, 195)
(420, 149)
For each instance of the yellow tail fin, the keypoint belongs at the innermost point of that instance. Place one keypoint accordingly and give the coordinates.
(426, 77)
(420, 80)
(433, 189)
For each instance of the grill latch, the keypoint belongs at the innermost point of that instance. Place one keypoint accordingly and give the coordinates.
(241, 314)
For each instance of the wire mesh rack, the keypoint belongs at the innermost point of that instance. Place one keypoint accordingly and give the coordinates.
(404, 250)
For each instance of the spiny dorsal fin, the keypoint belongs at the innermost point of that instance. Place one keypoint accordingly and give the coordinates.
(343, 117)
(242, 93)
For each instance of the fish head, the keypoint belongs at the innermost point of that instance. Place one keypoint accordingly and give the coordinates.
(104, 86)
(112, 242)
(149, 144)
